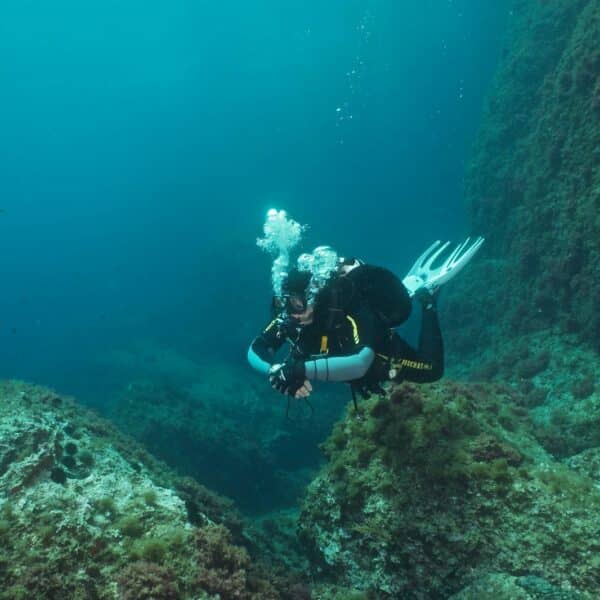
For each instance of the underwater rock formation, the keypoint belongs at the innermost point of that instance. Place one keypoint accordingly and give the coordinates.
(230, 432)
(527, 313)
(499, 586)
(87, 513)
(533, 185)
(437, 487)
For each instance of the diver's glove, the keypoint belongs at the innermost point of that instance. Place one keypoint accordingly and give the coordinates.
(423, 274)
(287, 328)
(288, 377)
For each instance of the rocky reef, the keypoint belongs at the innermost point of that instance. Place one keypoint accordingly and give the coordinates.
(227, 428)
(527, 313)
(85, 512)
(533, 185)
(434, 491)
(483, 489)
(443, 489)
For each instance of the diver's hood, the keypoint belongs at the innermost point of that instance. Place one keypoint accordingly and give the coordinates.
(297, 282)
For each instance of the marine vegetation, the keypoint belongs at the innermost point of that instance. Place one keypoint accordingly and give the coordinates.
(533, 186)
(529, 314)
(120, 525)
(436, 486)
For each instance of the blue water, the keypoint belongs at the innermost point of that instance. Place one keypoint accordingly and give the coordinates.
(143, 142)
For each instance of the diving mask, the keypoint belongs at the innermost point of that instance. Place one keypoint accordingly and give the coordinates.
(292, 304)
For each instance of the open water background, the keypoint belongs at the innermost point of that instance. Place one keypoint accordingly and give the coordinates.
(143, 142)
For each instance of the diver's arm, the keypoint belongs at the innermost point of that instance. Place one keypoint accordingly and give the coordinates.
(256, 362)
(340, 368)
(352, 366)
(261, 353)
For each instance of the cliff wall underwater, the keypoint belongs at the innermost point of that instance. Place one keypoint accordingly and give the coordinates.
(528, 311)
(533, 182)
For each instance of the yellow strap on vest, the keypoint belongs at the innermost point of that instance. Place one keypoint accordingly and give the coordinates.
(354, 329)
(270, 325)
(324, 341)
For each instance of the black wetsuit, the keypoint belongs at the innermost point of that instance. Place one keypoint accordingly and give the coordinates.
(356, 347)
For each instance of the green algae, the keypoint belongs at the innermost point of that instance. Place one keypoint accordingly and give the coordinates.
(131, 526)
(533, 183)
(150, 497)
(150, 549)
(79, 539)
(454, 473)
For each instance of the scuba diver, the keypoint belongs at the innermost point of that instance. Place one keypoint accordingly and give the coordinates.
(338, 316)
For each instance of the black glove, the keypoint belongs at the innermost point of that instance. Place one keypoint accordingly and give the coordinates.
(288, 377)
(287, 328)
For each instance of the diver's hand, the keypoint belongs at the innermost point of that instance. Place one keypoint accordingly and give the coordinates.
(288, 377)
(305, 390)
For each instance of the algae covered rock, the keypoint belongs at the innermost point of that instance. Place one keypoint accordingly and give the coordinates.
(528, 311)
(533, 183)
(228, 431)
(437, 486)
(587, 462)
(86, 513)
(499, 586)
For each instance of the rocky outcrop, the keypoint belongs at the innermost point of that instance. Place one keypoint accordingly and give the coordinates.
(526, 313)
(87, 513)
(436, 487)
(229, 431)
(533, 185)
